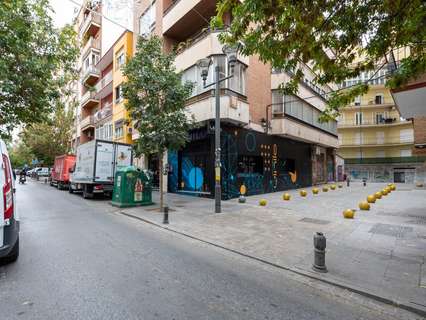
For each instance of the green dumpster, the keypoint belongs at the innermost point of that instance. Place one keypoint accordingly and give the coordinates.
(132, 187)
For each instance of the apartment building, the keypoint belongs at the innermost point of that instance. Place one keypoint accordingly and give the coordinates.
(122, 51)
(270, 142)
(100, 26)
(376, 143)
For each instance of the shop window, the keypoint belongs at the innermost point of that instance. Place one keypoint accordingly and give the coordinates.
(250, 164)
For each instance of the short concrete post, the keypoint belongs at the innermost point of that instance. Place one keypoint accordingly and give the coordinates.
(166, 215)
(319, 252)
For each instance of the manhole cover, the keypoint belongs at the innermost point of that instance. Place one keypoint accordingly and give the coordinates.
(417, 216)
(390, 230)
(315, 221)
(418, 222)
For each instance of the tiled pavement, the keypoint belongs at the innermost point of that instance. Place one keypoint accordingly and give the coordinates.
(381, 251)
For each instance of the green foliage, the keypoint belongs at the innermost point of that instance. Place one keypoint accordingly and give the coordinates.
(155, 98)
(36, 61)
(20, 156)
(50, 138)
(329, 35)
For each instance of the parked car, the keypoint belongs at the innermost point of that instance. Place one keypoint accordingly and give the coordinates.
(43, 172)
(9, 220)
(60, 171)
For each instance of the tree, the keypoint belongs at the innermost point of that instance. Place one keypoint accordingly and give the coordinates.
(155, 98)
(50, 138)
(35, 62)
(20, 155)
(331, 36)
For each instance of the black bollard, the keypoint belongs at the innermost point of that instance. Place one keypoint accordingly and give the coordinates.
(166, 215)
(347, 182)
(319, 252)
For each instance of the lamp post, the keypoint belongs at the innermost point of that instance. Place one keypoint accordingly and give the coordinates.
(204, 64)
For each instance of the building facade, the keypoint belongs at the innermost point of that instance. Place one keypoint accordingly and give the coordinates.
(376, 143)
(269, 142)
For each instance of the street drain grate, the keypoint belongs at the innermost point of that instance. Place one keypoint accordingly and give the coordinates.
(315, 221)
(390, 230)
(418, 222)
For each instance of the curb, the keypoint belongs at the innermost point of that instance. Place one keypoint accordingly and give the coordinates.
(389, 301)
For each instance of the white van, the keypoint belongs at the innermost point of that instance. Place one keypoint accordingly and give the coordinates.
(9, 221)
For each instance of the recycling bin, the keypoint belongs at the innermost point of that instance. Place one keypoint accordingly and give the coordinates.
(132, 187)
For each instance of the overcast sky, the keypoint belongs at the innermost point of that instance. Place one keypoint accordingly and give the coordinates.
(63, 11)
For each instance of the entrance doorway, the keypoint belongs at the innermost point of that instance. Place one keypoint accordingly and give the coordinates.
(399, 177)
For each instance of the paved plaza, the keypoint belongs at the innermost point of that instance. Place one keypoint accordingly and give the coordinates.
(380, 252)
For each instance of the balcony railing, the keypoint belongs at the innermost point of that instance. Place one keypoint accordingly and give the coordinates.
(89, 19)
(87, 122)
(92, 43)
(387, 160)
(375, 141)
(104, 113)
(88, 96)
(379, 122)
(104, 81)
(90, 71)
(304, 113)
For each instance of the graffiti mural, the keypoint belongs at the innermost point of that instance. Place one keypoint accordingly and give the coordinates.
(260, 162)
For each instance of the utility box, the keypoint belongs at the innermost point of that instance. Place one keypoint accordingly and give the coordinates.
(132, 187)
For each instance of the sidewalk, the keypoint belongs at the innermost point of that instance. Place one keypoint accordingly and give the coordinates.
(380, 253)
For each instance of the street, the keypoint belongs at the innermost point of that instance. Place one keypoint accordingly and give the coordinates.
(80, 260)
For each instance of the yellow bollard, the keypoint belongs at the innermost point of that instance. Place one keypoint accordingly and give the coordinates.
(303, 193)
(378, 195)
(262, 202)
(364, 205)
(333, 187)
(348, 214)
(371, 198)
(315, 190)
(324, 189)
(286, 196)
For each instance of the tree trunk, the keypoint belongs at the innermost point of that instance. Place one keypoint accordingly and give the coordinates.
(160, 178)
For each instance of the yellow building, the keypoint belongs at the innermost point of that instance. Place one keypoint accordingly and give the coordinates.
(122, 51)
(374, 141)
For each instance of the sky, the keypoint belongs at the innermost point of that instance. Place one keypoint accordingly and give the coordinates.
(63, 11)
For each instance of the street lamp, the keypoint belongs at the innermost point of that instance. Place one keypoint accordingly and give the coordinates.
(204, 64)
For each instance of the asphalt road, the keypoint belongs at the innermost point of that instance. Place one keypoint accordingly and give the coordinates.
(82, 260)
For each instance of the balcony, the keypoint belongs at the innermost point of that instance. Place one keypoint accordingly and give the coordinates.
(203, 44)
(104, 86)
(375, 142)
(90, 25)
(300, 122)
(89, 100)
(87, 123)
(232, 109)
(91, 44)
(182, 18)
(373, 124)
(90, 75)
(104, 113)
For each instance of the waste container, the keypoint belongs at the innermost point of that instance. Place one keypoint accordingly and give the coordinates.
(132, 187)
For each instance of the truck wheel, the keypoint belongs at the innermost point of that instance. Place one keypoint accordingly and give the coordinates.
(13, 255)
(70, 190)
(86, 194)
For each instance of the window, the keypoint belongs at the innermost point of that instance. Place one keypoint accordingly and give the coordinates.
(359, 137)
(120, 59)
(405, 153)
(147, 21)
(358, 118)
(380, 117)
(380, 136)
(119, 131)
(406, 135)
(379, 99)
(357, 101)
(118, 94)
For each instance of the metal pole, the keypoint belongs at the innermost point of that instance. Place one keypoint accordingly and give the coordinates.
(217, 188)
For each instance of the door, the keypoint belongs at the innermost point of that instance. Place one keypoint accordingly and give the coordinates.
(399, 176)
(104, 162)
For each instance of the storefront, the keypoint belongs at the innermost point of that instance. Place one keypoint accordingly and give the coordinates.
(263, 163)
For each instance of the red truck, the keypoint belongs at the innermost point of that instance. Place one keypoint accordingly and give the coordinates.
(61, 171)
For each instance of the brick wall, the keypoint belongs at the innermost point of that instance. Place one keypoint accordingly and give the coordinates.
(258, 88)
(419, 134)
